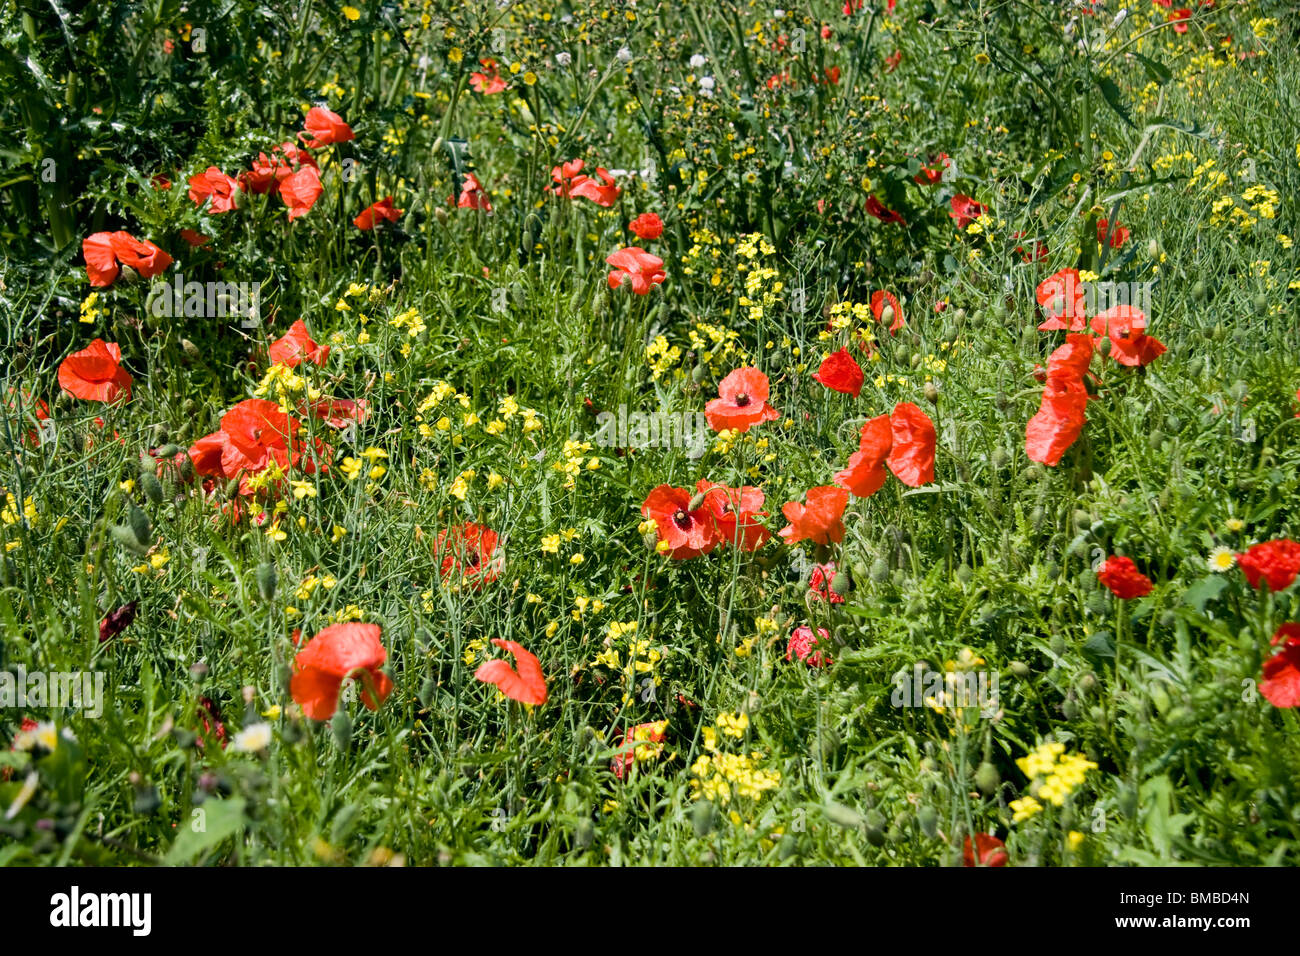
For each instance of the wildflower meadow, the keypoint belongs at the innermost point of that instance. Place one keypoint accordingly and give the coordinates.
(621, 432)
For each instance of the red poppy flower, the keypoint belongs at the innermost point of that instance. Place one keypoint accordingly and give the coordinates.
(688, 533)
(642, 742)
(876, 208)
(647, 226)
(117, 621)
(95, 374)
(489, 81)
(840, 373)
(528, 685)
(886, 309)
(1126, 328)
(992, 851)
(338, 412)
(300, 191)
(257, 433)
(1275, 563)
(930, 175)
(1179, 19)
(603, 193)
(472, 195)
(377, 211)
(965, 210)
(866, 472)
(819, 584)
(1122, 577)
(212, 184)
(734, 511)
(1281, 683)
(325, 127)
(892, 61)
(1118, 236)
(266, 173)
(195, 239)
(1039, 252)
(1061, 296)
(820, 520)
(468, 552)
(338, 652)
(565, 175)
(105, 252)
(636, 266)
(802, 643)
(295, 346)
(140, 254)
(911, 458)
(741, 402)
(1060, 417)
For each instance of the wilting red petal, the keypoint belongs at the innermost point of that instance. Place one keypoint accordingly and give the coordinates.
(528, 685)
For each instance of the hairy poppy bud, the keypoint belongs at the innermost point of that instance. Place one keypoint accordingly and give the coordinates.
(1198, 290)
(341, 728)
(697, 502)
(140, 525)
(125, 536)
(584, 834)
(152, 487)
(1104, 346)
(840, 583)
(1058, 645)
(931, 393)
(880, 570)
(168, 451)
(887, 315)
(190, 349)
(440, 214)
(266, 580)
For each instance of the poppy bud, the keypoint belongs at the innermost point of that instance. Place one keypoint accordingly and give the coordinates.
(1198, 290)
(159, 434)
(987, 778)
(129, 275)
(964, 573)
(341, 728)
(427, 690)
(697, 502)
(698, 373)
(875, 828)
(651, 539)
(266, 580)
(190, 349)
(1087, 684)
(880, 571)
(901, 353)
(1069, 709)
(1153, 247)
(152, 488)
(440, 214)
(887, 315)
(931, 393)
(1020, 668)
(915, 360)
(1058, 645)
(185, 469)
(232, 487)
(999, 459)
(840, 583)
(1261, 304)
(1104, 346)
(140, 525)
(125, 536)
(167, 451)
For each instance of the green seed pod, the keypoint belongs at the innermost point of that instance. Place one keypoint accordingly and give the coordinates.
(860, 571)
(901, 353)
(168, 450)
(1000, 458)
(427, 691)
(1020, 668)
(931, 393)
(341, 728)
(987, 778)
(698, 373)
(840, 583)
(1198, 290)
(125, 536)
(266, 580)
(880, 571)
(1058, 645)
(152, 488)
(1087, 683)
(928, 820)
(702, 818)
(1070, 709)
(140, 525)
(185, 469)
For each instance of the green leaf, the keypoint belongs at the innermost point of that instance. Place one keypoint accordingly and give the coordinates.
(1114, 99)
(1206, 589)
(207, 827)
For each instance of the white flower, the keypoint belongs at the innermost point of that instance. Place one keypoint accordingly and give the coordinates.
(698, 61)
(1221, 559)
(253, 738)
(563, 58)
(624, 54)
(706, 86)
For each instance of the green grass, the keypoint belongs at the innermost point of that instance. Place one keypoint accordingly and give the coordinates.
(996, 556)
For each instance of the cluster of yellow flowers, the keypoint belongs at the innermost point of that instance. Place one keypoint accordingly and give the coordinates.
(1053, 774)
(719, 776)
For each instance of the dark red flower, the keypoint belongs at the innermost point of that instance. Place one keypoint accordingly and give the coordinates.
(468, 552)
(117, 621)
(876, 208)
